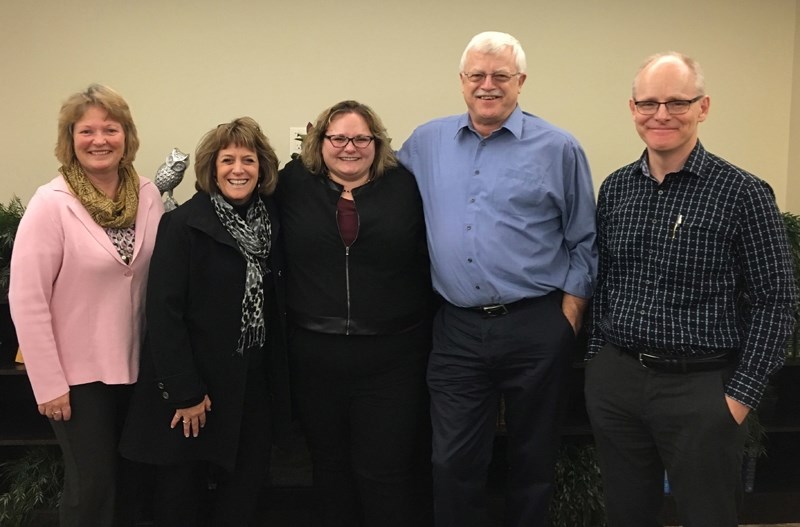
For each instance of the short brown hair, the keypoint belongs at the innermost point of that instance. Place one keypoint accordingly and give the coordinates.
(311, 151)
(243, 132)
(76, 105)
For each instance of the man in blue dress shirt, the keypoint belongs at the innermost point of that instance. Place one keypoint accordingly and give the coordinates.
(509, 208)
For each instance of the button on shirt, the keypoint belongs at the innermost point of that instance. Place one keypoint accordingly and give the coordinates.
(697, 264)
(509, 216)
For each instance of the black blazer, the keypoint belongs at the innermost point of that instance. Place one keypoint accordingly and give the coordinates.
(194, 296)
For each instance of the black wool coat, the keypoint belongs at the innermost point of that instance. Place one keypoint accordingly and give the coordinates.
(194, 298)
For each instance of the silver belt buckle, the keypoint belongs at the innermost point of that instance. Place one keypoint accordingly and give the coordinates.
(495, 310)
(643, 356)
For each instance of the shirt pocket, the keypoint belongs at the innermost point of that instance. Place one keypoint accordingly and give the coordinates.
(700, 250)
(519, 191)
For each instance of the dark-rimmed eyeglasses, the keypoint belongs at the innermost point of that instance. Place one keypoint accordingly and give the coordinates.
(359, 141)
(500, 77)
(673, 107)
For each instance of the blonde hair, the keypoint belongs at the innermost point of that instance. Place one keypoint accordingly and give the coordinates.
(693, 65)
(76, 106)
(311, 151)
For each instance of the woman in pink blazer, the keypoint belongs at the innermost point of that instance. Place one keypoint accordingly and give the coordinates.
(78, 275)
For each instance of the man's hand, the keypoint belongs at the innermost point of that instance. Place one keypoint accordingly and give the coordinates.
(738, 410)
(573, 308)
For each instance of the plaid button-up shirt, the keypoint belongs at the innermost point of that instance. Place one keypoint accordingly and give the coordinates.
(694, 265)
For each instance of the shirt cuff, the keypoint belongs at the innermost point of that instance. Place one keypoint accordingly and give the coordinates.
(746, 389)
(581, 287)
(595, 344)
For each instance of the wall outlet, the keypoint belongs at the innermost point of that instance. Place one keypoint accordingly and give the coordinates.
(295, 133)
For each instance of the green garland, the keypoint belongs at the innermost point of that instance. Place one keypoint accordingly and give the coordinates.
(33, 482)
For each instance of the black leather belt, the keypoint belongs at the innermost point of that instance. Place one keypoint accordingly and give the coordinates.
(673, 364)
(344, 326)
(498, 310)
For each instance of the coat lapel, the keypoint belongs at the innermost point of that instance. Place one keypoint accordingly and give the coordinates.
(146, 208)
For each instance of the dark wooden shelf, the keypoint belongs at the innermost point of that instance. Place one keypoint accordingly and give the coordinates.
(20, 422)
(781, 423)
(24, 426)
(13, 369)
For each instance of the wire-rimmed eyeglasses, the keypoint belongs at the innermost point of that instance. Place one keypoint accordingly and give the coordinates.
(673, 107)
(499, 77)
(359, 141)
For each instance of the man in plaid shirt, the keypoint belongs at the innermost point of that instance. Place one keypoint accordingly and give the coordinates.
(692, 310)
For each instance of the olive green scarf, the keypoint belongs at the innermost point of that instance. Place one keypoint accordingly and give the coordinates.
(108, 213)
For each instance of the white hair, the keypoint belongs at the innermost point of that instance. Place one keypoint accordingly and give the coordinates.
(494, 42)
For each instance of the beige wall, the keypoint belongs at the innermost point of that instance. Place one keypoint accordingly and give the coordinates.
(186, 66)
(793, 162)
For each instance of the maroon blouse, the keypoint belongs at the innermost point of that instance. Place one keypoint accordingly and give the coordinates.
(347, 216)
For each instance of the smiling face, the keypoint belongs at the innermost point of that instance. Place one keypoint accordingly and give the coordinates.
(99, 143)
(668, 79)
(489, 103)
(237, 173)
(348, 164)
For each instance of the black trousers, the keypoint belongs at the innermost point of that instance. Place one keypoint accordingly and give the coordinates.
(199, 493)
(645, 422)
(525, 355)
(99, 485)
(363, 405)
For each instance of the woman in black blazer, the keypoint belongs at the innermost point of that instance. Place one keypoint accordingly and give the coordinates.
(213, 387)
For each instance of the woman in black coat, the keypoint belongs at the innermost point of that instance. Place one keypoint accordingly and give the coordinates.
(213, 386)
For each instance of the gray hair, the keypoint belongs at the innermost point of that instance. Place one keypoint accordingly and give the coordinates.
(494, 42)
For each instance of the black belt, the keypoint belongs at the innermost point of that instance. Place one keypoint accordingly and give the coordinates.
(355, 326)
(671, 364)
(498, 310)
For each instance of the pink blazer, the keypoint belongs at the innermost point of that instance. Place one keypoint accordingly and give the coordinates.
(77, 308)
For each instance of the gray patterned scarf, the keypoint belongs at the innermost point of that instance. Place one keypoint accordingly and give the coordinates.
(253, 236)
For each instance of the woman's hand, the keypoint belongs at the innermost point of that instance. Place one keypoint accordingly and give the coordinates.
(193, 418)
(58, 409)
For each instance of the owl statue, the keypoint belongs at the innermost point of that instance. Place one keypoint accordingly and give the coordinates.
(170, 174)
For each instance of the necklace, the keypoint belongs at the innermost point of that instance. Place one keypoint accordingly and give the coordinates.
(355, 184)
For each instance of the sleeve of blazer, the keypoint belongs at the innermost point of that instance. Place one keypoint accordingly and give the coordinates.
(168, 336)
(35, 265)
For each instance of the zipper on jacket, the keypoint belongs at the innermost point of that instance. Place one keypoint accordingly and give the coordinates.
(347, 263)
(347, 285)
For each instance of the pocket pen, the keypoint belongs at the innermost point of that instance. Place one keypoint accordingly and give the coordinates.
(678, 222)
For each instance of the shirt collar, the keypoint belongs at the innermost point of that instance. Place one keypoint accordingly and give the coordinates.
(513, 124)
(694, 163)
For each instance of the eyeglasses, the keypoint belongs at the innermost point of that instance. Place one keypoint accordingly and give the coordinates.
(673, 107)
(359, 141)
(498, 77)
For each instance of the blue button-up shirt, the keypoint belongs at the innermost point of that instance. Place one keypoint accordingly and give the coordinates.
(509, 216)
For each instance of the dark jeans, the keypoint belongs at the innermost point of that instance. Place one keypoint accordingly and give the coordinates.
(99, 486)
(363, 405)
(644, 422)
(525, 355)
